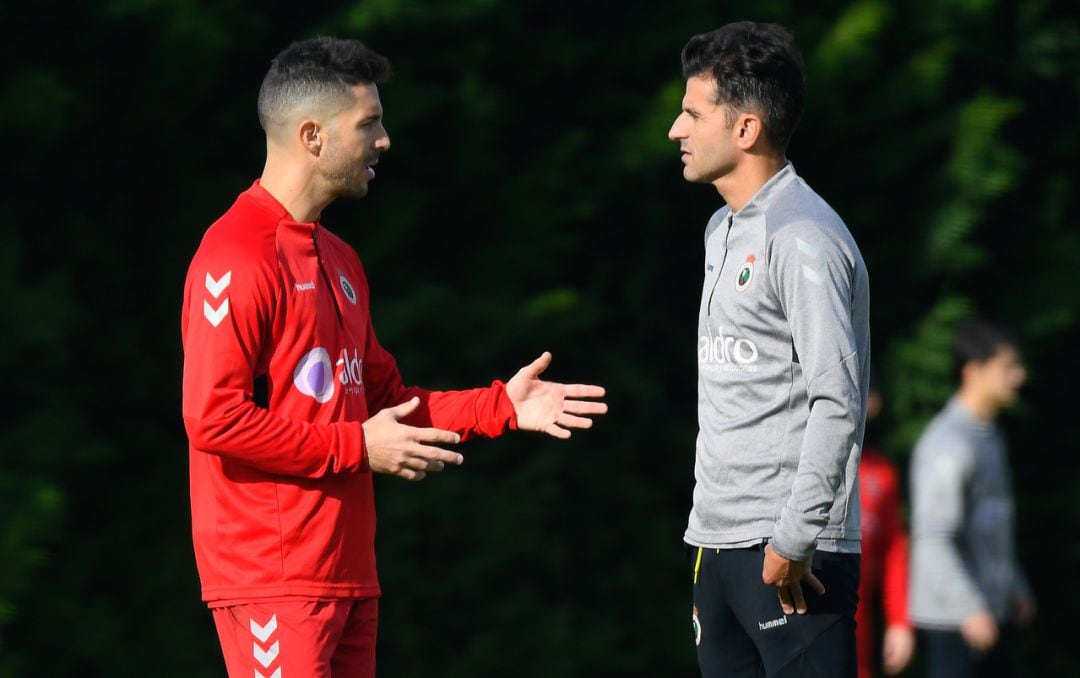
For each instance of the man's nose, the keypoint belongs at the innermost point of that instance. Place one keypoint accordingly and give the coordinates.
(676, 131)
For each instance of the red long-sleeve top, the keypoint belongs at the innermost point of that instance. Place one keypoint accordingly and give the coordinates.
(281, 367)
(884, 563)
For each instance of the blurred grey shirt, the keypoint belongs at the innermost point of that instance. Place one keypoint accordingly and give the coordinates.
(962, 550)
(783, 357)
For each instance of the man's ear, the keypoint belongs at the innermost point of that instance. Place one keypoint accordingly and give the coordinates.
(748, 131)
(311, 136)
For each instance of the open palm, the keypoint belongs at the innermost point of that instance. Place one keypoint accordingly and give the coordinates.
(550, 407)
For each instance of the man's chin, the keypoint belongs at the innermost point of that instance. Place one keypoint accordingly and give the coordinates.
(696, 177)
(353, 191)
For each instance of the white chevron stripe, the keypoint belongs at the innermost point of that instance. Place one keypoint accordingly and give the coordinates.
(806, 248)
(275, 674)
(263, 632)
(812, 275)
(216, 287)
(215, 316)
(267, 657)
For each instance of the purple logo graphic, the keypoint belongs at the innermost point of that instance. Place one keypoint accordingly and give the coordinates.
(314, 376)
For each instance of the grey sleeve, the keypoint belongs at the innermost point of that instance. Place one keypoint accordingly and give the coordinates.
(814, 277)
(938, 481)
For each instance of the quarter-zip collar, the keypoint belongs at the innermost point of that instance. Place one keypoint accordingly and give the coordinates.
(269, 203)
(765, 195)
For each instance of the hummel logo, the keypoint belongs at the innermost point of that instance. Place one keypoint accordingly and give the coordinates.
(216, 287)
(215, 316)
(263, 632)
(816, 276)
(266, 657)
(304, 287)
(772, 623)
(813, 276)
(806, 248)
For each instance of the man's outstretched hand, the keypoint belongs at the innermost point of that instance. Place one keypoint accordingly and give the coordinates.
(549, 407)
(406, 451)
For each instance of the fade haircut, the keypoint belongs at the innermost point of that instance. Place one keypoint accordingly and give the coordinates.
(977, 341)
(758, 69)
(318, 72)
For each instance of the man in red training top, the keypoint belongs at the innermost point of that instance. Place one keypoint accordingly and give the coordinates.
(884, 568)
(290, 403)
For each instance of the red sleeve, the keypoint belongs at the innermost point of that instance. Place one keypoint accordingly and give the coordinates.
(225, 324)
(485, 412)
(894, 587)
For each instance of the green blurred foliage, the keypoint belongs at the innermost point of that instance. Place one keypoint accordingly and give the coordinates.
(531, 201)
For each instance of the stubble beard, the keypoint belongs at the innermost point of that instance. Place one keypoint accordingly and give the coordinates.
(348, 180)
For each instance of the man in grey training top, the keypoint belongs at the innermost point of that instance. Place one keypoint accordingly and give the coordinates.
(783, 374)
(966, 586)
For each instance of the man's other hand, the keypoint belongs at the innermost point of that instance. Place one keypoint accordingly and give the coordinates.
(787, 576)
(897, 648)
(406, 451)
(980, 631)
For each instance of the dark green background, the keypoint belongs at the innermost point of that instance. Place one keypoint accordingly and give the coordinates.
(531, 201)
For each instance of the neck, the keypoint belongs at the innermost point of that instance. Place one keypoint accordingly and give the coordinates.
(294, 186)
(982, 407)
(752, 172)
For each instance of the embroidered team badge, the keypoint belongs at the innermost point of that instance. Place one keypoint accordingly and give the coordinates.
(347, 288)
(697, 627)
(745, 274)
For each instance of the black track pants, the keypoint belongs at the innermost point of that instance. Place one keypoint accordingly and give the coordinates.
(743, 633)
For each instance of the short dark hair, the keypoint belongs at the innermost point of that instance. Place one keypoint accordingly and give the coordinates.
(319, 68)
(978, 341)
(757, 67)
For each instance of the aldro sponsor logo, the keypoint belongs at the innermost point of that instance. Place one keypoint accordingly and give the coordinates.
(315, 377)
(351, 372)
(726, 353)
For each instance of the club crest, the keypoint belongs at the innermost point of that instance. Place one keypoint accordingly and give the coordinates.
(746, 274)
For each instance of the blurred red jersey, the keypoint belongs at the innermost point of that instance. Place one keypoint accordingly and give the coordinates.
(884, 554)
(281, 367)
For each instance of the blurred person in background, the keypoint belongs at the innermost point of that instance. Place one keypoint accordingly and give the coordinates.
(967, 588)
(883, 585)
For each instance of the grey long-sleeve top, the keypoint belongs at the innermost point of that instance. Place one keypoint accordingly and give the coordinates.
(962, 548)
(783, 373)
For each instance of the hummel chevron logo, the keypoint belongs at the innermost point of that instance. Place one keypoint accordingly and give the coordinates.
(267, 657)
(275, 674)
(812, 275)
(216, 287)
(263, 632)
(215, 316)
(806, 248)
